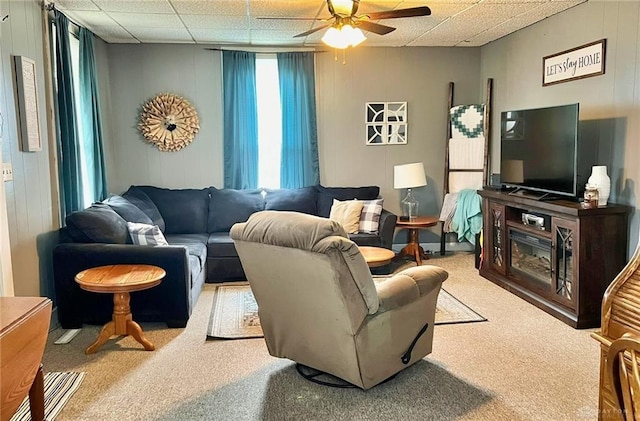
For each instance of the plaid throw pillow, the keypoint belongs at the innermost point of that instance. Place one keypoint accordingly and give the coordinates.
(370, 216)
(146, 235)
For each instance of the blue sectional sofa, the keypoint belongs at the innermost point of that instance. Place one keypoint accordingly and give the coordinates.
(196, 224)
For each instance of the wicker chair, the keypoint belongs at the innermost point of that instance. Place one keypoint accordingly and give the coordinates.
(620, 319)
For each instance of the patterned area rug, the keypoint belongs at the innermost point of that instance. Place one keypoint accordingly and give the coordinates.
(234, 313)
(58, 389)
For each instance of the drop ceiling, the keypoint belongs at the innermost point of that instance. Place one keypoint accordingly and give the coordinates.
(453, 23)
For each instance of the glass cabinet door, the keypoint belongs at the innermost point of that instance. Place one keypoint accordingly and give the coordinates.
(564, 256)
(496, 240)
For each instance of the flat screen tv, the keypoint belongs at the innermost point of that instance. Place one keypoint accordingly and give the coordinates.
(539, 149)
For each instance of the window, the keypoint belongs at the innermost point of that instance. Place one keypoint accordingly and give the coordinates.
(269, 121)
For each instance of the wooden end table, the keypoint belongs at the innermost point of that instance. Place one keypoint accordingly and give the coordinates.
(413, 248)
(120, 280)
(376, 256)
(24, 327)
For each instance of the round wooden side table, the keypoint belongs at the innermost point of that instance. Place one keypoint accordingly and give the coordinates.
(120, 280)
(376, 256)
(413, 248)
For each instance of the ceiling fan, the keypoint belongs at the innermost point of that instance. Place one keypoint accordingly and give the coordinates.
(345, 25)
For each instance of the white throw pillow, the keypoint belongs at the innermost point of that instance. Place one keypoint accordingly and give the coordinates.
(146, 235)
(347, 213)
(370, 216)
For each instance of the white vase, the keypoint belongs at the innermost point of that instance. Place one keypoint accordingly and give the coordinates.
(601, 180)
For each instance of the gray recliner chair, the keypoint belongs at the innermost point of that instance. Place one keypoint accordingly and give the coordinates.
(318, 303)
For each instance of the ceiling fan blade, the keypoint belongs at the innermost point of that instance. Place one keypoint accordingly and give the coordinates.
(354, 7)
(376, 28)
(400, 13)
(311, 31)
(287, 18)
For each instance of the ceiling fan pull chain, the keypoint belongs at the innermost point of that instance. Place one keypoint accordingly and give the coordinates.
(344, 56)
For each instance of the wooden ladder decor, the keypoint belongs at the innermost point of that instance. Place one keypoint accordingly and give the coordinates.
(448, 171)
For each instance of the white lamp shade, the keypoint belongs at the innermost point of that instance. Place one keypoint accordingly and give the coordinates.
(407, 176)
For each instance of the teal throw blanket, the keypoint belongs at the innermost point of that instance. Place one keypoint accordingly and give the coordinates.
(467, 220)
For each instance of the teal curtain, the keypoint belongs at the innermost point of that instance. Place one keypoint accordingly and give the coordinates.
(240, 120)
(92, 142)
(69, 172)
(299, 165)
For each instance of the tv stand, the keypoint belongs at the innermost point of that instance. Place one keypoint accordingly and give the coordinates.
(563, 263)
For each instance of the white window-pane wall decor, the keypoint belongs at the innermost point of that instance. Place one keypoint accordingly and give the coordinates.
(386, 123)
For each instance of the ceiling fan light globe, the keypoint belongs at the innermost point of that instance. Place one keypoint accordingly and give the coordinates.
(354, 35)
(335, 38)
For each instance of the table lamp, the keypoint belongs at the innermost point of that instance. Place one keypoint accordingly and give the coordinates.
(408, 176)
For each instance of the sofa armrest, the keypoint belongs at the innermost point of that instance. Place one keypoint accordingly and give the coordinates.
(386, 228)
(408, 286)
(168, 301)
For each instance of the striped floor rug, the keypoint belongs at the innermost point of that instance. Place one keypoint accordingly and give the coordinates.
(58, 389)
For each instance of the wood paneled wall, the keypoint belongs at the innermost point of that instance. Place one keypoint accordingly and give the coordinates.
(609, 104)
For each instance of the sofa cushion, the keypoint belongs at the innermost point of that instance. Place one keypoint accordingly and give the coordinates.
(140, 199)
(221, 245)
(146, 235)
(363, 239)
(97, 224)
(127, 210)
(229, 206)
(195, 244)
(327, 194)
(302, 200)
(184, 211)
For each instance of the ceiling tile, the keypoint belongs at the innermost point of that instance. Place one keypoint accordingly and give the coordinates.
(288, 8)
(282, 25)
(220, 36)
(65, 5)
(148, 20)
(114, 31)
(135, 6)
(163, 34)
(217, 22)
(211, 7)
(90, 19)
(262, 37)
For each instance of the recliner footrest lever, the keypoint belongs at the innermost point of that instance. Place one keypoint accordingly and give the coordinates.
(407, 355)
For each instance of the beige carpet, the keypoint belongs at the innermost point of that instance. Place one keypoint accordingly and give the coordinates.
(234, 313)
(522, 365)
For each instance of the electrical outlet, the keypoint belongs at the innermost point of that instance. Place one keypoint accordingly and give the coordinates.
(7, 171)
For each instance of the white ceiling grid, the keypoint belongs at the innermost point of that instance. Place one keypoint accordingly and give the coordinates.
(459, 23)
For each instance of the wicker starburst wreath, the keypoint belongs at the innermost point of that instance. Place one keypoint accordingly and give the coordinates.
(169, 122)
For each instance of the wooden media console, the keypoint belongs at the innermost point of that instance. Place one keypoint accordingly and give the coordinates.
(555, 254)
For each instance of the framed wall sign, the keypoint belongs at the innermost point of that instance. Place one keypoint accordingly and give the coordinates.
(576, 63)
(386, 123)
(27, 93)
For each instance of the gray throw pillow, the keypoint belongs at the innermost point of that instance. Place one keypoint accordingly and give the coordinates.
(97, 224)
(140, 199)
(127, 210)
